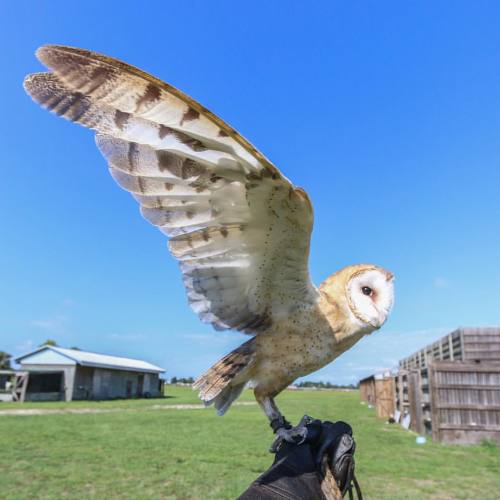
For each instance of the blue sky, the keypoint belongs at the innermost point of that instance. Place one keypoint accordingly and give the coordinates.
(387, 113)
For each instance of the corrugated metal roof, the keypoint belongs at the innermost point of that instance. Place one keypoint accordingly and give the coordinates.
(86, 358)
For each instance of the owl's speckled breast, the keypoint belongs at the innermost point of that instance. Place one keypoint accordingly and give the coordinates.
(300, 344)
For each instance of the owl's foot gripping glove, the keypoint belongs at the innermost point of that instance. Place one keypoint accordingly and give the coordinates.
(286, 433)
(319, 467)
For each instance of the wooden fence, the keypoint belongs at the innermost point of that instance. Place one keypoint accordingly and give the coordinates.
(464, 344)
(455, 402)
(465, 401)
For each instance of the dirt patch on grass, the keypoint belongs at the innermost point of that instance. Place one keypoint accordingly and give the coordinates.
(56, 411)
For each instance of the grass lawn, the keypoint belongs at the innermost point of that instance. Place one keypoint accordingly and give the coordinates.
(146, 452)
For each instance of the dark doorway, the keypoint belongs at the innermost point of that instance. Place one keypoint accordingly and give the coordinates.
(140, 385)
(45, 386)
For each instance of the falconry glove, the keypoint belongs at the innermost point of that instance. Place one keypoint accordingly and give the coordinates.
(320, 467)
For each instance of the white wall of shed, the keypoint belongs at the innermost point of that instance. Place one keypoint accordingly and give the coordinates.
(47, 357)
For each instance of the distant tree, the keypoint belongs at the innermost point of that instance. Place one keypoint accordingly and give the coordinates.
(325, 385)
(75, 348)
(51, 342)
(181, 380)
(5, 360)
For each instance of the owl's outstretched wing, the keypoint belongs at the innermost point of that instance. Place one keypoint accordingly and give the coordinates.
(239, 228)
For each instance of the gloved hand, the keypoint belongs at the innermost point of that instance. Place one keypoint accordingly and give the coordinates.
(299, 470)
(333, 446)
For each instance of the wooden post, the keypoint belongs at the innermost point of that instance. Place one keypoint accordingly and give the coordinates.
(434, 403)
(415, 401)
(20, 386)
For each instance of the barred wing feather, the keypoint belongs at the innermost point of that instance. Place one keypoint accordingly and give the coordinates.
(239, 228)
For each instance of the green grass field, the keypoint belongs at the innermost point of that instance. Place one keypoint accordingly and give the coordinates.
(142, 450)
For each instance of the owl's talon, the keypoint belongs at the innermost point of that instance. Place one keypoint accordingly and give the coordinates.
(295, 435)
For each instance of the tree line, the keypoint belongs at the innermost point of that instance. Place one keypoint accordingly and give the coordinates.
(5, 360)
(181, 380)
(326, 385)
(306, 384)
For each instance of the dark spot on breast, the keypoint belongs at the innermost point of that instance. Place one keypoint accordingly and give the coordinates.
(169, 186)
(151, 94)
(205, 235)
(189, 115)
(224, 232)
(189, 214)
(121, 118)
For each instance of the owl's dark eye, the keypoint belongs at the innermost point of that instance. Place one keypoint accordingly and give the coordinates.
(367, 291)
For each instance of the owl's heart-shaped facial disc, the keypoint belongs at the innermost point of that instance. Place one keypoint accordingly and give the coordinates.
(370, 294)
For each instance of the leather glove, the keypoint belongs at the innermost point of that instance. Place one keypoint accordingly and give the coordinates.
(298, 470)
(333, 447)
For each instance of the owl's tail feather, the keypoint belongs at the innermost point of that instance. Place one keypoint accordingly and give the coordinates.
(221, 384)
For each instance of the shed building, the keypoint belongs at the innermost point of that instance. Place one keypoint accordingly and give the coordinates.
(378, 391)
(451, 388)
(56, 373)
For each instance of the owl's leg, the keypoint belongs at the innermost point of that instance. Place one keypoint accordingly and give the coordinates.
(280, 426)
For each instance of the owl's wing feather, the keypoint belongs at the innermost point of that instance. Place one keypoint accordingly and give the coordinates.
(239, 228)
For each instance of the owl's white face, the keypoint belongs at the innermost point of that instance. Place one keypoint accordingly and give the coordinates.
(370, 294)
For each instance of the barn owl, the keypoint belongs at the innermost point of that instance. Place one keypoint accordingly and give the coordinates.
(240, 229)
